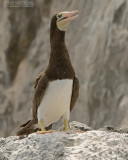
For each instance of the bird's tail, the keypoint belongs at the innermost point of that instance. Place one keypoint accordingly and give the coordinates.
(24, 124)
(27, 128)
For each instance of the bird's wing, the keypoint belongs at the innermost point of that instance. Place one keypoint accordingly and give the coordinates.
(40, 88)
(41, 85)
(38, 78)
(75, 92)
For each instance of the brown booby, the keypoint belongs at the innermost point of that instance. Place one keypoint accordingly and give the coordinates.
(57, 88)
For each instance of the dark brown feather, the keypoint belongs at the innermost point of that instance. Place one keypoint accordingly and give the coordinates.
(28, 127)
(27, 131)
(39, 93)
(23, 125)
(37, 79)
(75, 92)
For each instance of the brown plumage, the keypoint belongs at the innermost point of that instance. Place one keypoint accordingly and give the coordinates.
(59, 67)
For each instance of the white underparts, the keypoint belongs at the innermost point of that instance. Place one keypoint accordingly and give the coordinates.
(55, 102)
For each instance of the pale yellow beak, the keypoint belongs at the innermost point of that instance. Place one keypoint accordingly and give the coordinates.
(68, 16)
(64, 18)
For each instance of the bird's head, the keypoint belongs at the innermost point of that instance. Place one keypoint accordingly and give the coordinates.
(59, 23)
(64, 18)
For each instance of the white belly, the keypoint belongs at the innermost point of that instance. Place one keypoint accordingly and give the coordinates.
(56, 102)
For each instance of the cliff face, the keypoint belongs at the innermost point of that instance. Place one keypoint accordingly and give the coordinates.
(97, 43)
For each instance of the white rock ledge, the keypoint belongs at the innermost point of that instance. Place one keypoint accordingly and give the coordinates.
(90, 145)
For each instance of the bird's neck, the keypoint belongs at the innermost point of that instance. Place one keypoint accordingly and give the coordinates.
(59, 64)
(58, 47)
(57, 38)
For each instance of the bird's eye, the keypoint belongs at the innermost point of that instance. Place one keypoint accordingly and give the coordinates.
(59, 15)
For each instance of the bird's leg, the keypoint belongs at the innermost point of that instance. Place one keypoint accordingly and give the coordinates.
(66, 119)
(42, 126)
(43, 131)
(66, 128)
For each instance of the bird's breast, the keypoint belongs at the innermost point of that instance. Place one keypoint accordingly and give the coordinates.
(56, 101)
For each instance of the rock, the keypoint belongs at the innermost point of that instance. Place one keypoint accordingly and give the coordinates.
(75, 126)
(98, 45)
(91, 145)
(114, 129)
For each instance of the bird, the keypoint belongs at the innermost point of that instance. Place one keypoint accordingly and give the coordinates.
(57, 88)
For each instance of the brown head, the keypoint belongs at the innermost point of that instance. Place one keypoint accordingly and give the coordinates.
(59, 24)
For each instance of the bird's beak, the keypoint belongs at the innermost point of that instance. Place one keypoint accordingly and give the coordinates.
(68, 17)
(65, 19)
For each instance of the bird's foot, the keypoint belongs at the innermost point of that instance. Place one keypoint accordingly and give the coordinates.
(80, 132)
(44, 132)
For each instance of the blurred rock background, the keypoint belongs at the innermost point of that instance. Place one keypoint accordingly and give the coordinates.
(98, 45)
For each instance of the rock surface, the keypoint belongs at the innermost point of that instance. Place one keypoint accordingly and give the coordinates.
(89, 145)
(98, 45)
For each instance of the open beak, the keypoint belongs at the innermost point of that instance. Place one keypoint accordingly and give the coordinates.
(68, 17)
